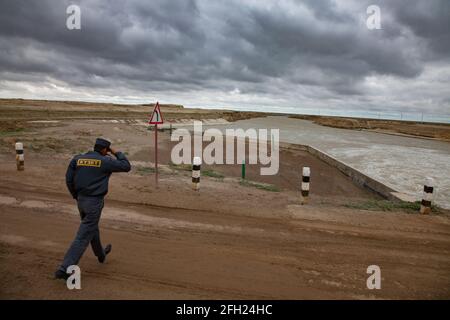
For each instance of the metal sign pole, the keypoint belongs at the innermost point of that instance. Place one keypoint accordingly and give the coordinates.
(156, 154)
(159, 120)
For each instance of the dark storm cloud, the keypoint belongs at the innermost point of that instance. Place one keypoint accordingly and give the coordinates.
(298, 50)
(429, 20)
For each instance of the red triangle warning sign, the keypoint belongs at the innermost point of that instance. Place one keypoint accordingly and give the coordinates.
(156, 117)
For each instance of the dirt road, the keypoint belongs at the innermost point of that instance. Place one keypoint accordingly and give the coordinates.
(169, 253)
(228, 241)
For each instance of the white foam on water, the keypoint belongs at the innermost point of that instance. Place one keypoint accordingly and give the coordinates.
(400, 162)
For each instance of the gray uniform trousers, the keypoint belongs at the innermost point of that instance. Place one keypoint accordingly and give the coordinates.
(90, 211)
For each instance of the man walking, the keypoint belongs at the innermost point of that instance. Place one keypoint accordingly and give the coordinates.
(87, 180)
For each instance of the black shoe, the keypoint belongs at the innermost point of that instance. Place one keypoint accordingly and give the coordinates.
(107, 250)
(59, 274)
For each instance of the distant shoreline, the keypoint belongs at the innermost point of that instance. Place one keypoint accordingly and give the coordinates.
(25, 109)
(436, 131)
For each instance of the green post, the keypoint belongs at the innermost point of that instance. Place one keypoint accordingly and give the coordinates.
(243, 169)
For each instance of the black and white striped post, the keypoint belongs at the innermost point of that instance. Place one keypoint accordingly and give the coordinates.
(20, 160)
(425, 206)
(306, 174)
(196, 173)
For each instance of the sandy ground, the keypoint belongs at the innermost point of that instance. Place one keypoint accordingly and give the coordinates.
(19, 110)
(433, 131)
(227, 241)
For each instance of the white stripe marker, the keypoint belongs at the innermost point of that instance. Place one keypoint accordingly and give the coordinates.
(20, 159)
(196, 173)
(306, 174)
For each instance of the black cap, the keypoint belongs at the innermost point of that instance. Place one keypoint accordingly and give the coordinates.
(102, 143)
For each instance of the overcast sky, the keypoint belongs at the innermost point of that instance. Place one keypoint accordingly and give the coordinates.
(256, 54)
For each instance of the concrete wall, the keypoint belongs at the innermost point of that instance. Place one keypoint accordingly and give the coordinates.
(356, 176)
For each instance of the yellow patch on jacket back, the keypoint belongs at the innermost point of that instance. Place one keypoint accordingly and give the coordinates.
(89, 163)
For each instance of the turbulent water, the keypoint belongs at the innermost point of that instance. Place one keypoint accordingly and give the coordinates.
(402, 163)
